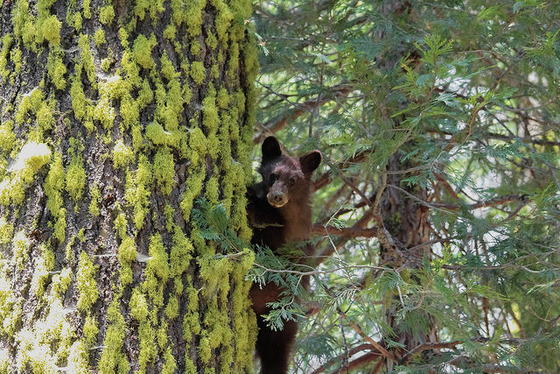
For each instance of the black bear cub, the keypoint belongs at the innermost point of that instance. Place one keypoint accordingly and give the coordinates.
(279, 212)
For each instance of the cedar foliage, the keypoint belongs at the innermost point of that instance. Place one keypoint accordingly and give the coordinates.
(437, 213)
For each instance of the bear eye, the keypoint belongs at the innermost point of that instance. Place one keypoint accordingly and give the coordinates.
(273, 178)
(292, 182)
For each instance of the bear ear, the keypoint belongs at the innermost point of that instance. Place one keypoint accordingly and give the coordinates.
(271, 148)
(310, 161)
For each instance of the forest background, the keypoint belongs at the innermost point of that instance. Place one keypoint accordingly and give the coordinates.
(127, 134)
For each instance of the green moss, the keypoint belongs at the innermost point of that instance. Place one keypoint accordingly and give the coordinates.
(122, 155)
(20, 248)
(106, 64)
(23, 108)
(99, 37)
(75, 178)
(86, 8)
(90, 330)
(138, 190)
(127, 250)
(61, 282)
(129, 110)
(164, 170)
(145, 95)
(181, 253)
(7, 136)
(78, 99)
(167, 68)
(159, 261)
(7, 42)
(60, 226)
(169, 364)
(148, 350)
(198, 143)
(107, 14)
(95, 198)
(112, 358)
(198, 72)
(23, 171)
(123, 35)
(142, 51)
(157, 135)
(85, 283)
(6, 231)
(15, 55)
(210, 117)
(78, 358)
(87, 59)
(138, 305)
(50, 29)
(194, 185)
(169, 32)
(104, 111)
(120, 223)
(192, 16)
(45, 116)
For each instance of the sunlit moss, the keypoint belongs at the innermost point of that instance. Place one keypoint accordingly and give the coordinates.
(138, 305)
(7, 42)
(169, 364)
(56, 69)
(75, 178)
(198, 72)
(87, 59)
(107, 14)
(78, 358)
(90, 330)
(7, 136)
(95, 198)
(148, 350)
(78, 99)
(50, 29)
(20, 248)
(164, 170)
(142, 51)
(181, 253)
(6, 231)
(137, 190)
(86, 8)
(85, 283)
(113, 360)
(99, 37)
(61, 282)
(194, 185)
(122, 155)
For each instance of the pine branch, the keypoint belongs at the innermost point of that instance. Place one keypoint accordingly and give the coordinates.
(277, 124)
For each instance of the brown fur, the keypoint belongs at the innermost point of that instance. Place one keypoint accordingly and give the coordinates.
(279, 212)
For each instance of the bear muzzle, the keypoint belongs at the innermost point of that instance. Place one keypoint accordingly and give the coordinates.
(277, 199)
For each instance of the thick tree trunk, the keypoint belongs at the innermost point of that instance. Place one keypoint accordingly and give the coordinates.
(115, 119)
(404, 219)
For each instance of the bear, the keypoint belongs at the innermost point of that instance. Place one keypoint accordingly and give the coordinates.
(279, 212)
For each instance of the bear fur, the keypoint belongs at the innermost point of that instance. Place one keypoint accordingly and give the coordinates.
(279, 212)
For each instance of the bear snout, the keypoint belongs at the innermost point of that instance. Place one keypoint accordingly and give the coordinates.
(277, 199)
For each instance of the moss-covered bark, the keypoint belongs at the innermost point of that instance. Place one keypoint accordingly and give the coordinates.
(115, 118)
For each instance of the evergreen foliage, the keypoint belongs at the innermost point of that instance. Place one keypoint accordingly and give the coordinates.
(438, 210)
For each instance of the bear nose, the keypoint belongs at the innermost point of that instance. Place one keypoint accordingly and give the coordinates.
(276, 198)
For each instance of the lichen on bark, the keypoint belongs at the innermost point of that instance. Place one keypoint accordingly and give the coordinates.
(130, 112)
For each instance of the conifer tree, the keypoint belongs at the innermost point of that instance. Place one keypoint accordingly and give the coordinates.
(438, 210)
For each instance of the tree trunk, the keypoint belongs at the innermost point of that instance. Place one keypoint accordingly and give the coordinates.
(405, 222)
(115, 119)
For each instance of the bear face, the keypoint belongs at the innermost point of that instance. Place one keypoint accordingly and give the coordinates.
(286, 178)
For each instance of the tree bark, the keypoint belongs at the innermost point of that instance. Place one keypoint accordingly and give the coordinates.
(115, 118)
